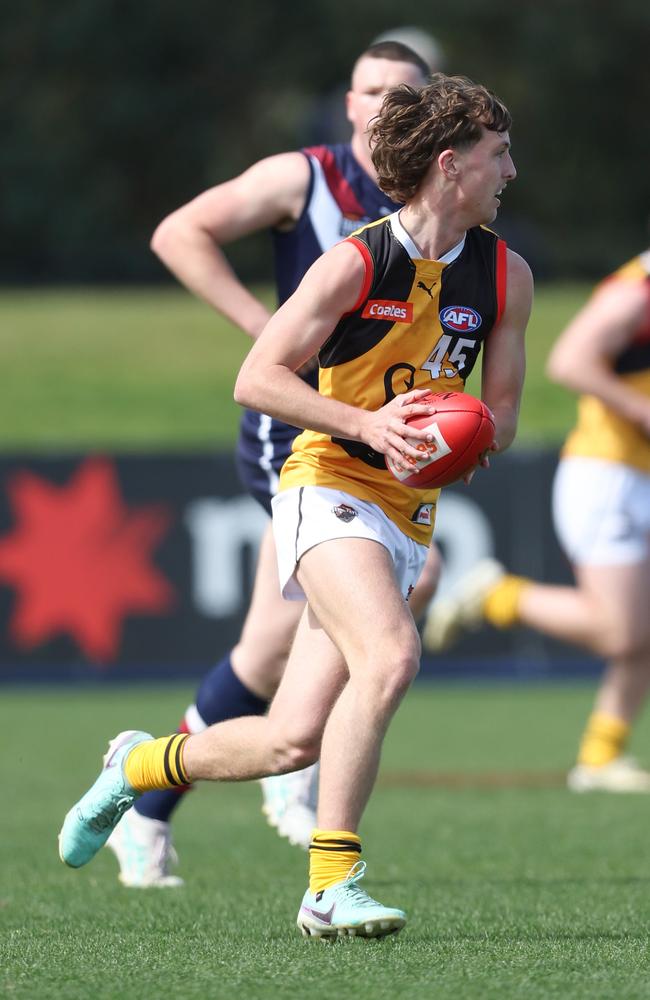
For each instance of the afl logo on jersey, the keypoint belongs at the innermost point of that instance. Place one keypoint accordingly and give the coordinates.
(460, 319)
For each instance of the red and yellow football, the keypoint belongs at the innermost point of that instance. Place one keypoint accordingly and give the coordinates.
(462, 428)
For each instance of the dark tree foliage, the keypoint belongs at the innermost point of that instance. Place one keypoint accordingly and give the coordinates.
(114, 113)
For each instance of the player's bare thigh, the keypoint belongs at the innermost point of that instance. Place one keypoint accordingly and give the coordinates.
(601, 512)
(352, 588)
(360, 628)
(260, 656)
(314, 677)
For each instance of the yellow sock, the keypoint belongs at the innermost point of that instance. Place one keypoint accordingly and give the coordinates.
(331, 855)
(157, 764)
(501, 606)
(603, 740)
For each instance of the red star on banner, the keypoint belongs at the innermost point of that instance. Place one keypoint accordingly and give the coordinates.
(80, 560)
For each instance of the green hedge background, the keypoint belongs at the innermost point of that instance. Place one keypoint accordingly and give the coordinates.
(114, 113)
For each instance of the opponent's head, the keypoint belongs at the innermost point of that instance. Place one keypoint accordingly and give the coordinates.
(381, 67)
(452, 128)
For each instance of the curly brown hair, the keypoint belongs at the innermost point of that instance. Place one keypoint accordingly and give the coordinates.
(416, 124)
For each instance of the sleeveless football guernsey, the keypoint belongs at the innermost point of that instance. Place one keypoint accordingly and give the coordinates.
(419, 324)
(600, 432)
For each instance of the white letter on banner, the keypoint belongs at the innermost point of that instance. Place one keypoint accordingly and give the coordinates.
(220, 531)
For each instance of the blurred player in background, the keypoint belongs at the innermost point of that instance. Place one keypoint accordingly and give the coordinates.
(349, 535)
(601, 508)
(310, 200)
(327, 117)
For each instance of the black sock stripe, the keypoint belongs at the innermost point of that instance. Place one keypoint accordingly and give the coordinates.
(338, 840)
(345, 846)
(177, 759)
(168, 771)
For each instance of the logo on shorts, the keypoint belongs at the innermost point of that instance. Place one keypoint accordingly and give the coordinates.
(344, 513)
(460, 319)
(397, 312)
(423, 514)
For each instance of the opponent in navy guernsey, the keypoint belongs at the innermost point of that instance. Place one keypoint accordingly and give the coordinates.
(310, 199)
(349, 535)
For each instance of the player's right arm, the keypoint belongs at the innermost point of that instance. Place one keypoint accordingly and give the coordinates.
(583, 356)
(189, 241)
(268, 381)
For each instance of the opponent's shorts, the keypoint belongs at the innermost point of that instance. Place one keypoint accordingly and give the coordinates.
(262, 449)
(305, 516)
(601, 511)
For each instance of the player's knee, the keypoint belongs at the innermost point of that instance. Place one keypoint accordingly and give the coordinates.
(295, 758)
(616, 641)
(295, 751)
(396, 671)
(406, 671)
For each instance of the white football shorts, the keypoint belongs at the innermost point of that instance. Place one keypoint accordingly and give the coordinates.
(601, 511)
(305, 516)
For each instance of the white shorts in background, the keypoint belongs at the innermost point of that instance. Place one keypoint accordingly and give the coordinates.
(601, 512)
(305, 516)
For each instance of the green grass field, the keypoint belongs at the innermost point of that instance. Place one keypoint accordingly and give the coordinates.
(514, 887)
(155, 368)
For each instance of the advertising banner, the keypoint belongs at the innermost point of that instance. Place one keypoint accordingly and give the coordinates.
(140, 566)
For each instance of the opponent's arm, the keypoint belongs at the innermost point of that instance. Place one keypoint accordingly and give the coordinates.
(583, 357)
(267, 380)
(270, 193)
(504, 359)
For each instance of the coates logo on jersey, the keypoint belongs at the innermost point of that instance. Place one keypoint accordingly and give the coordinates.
(460, 319)
(394, 312)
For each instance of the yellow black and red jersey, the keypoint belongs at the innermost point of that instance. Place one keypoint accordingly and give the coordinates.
(599, 431)
(418, 324)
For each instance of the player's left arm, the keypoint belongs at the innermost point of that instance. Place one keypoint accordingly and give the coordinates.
(504, 358)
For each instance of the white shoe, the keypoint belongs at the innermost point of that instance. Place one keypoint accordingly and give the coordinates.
(90, 822)
(462, 607)
(290, 804)
(144, 850)
(345, 909)
(621, 775)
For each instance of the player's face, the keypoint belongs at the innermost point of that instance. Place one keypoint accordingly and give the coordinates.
(371, 80)
(484, 170)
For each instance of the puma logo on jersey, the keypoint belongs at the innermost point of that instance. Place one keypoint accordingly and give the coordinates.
(398, 312)
(427, 288)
